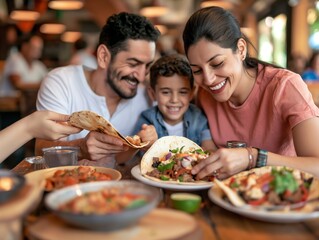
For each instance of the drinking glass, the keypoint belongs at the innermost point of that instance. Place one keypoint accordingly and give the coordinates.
(60, 156)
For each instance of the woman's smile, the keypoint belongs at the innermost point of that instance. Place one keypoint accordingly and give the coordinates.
(217, 88)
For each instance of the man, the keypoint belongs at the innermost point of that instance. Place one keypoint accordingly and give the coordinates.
(23, 70)
(124, 55)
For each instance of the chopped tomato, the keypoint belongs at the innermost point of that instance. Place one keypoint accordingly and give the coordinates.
(181, 171)
(68, 181)
(258, 202)
(231, 180)
(287, 194)
(305, 193)
(265, 178)
(181, 155)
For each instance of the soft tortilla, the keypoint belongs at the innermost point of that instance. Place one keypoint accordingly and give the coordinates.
(236, 200)
(160, 148)
(93, 122)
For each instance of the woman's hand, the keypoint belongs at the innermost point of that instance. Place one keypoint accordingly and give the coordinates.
(222, 163)
(48, 125)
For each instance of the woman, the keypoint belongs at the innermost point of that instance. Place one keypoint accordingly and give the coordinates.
(40, 124)
(245, 99)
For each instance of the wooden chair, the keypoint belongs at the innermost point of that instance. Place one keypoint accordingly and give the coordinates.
(10, 103)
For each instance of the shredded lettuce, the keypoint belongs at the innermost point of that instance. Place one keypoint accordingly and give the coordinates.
(283, 180)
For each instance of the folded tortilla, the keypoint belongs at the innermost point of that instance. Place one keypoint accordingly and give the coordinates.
(160, 148)
(91, 121)
(237, 201)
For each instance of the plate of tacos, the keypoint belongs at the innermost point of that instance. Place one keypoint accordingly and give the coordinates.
(168, 164)
(91, 121)
(272, 194)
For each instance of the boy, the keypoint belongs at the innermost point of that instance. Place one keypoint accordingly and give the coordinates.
(172, 87)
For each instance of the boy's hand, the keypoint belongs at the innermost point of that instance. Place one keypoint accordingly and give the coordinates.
(148, 133)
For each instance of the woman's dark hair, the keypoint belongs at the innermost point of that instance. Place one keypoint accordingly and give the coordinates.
(217, 25)
(125, 26)
(169, 65)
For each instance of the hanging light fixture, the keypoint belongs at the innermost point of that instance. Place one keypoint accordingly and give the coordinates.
(155, 9)
(25, 19)
(70, 36)
(66, 5)
(226, 4)
(26, 15)
(52, 28)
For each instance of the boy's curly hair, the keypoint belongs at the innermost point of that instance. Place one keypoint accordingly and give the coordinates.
(168, 66)
(125, 26)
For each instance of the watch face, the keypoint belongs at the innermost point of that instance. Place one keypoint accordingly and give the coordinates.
(262, 158)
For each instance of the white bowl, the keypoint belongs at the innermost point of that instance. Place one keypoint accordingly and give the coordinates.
(109, 221)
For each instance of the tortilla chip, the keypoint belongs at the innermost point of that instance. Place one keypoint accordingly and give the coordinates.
(93, 122)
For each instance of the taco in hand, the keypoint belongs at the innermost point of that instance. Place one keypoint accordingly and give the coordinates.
(171, 159)
(93, 122)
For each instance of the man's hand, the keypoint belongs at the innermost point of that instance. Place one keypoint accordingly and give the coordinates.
(96, 146)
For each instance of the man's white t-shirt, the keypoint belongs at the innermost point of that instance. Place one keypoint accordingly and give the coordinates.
(66, 90)
(16, 64)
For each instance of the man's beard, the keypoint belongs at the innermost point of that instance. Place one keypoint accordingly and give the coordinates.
(111, 77)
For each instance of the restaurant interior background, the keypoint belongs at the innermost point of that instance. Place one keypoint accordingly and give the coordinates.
(277, 28)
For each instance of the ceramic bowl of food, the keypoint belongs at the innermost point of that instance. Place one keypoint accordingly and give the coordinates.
(64, 176)
(103, 205)
(10, 184)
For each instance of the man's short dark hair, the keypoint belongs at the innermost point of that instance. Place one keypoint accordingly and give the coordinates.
(126, 26)
(169, 65)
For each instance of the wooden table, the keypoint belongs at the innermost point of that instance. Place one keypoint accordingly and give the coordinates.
(217, 223)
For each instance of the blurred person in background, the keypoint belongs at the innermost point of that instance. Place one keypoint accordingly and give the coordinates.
(297, 63)
(23, 70)
(312, 71)
(114, 90)
(83, 55)
(8, 44)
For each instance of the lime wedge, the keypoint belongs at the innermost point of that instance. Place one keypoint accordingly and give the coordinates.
(187, 202)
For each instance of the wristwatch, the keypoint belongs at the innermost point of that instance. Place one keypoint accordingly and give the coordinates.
(261, 158)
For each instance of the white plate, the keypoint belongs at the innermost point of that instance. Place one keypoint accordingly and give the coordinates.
(276, 217)
(136, 172)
